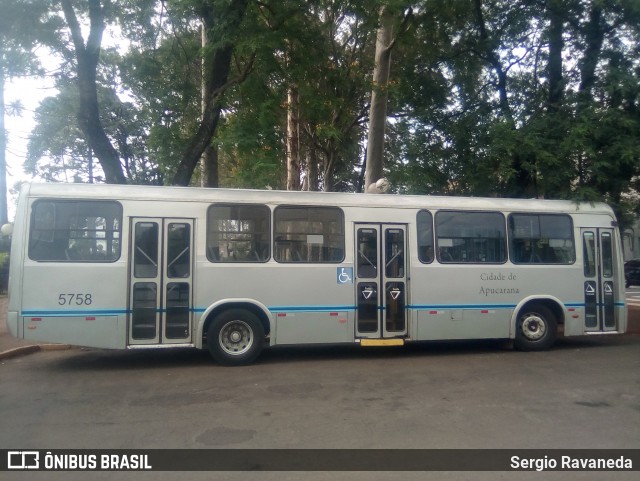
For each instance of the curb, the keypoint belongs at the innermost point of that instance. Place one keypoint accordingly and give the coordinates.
(24, 350)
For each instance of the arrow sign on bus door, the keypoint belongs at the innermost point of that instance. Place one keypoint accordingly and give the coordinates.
(395, 293)
(367, 292)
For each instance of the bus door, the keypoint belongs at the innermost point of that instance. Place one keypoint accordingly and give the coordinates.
(381, 280)
(161, 281)
(600, 276)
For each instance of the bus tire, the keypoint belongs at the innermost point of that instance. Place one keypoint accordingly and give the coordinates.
(536, 328)
(235, 337)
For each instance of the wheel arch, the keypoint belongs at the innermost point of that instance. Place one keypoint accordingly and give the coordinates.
(550, 302)
(251, 305)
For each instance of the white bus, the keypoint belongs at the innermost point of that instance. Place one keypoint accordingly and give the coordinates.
(233, 271)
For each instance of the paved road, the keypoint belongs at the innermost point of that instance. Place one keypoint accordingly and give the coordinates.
(583, 394)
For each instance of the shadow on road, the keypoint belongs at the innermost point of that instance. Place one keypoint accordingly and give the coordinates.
(97, 359)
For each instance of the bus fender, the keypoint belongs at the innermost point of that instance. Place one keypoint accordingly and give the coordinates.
(551, 302)
(224, 304)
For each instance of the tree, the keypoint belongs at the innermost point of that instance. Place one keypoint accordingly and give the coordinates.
(532, 98)
(221, 19)
(312, 61)
(221, 22)
(22, 25)
(379, 98)
(87, 55)
(58, 150)
(385, 41)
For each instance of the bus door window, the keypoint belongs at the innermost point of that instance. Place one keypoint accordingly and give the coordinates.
(178, 293)
(606, 254)
(367, 253)
(144, 315)
(394, 260)
(145, 256)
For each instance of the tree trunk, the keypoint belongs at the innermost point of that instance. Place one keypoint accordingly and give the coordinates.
(556, 45)
(293, 139)
(311, 179)
(594, 37)
(379, 98)
(87, 57)
(210, 167)
(559, 183)
(220, 22)
(493, 59)
(209, 158)
(329, 168)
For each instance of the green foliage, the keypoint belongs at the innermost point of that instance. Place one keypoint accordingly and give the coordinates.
(476, 104)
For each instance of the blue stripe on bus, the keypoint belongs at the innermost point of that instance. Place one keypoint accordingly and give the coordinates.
(311, 308)
(420, 307)
(200, 310)
(79, 312)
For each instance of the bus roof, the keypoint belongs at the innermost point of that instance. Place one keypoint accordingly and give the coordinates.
(210, 195)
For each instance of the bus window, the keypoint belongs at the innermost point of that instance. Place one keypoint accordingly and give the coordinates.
(541, 239)
(471, 237)
(75, 231)
(394, 253)
(425, 236)
(179, 249)
(238, 233)
(309, 234)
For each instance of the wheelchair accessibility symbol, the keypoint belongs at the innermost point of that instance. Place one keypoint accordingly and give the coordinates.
(345, 275)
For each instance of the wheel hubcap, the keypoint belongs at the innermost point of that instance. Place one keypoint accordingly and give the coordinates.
(236, 338)
(533, 327)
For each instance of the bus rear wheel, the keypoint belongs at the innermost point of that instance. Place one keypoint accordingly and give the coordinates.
(536, 328)
(235, 337)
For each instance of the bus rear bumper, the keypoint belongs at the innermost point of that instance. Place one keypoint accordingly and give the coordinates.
(13, 325)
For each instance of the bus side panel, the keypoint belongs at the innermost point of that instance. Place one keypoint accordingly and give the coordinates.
(76, 303)
(89, 331)
(458, 302)
(312, 306)
(314, 327)
(13, 324)
(463, 324)
(478, 302)
(574, 323)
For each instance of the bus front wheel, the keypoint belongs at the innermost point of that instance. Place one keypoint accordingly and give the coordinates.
(235, 337)
(536, 328)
